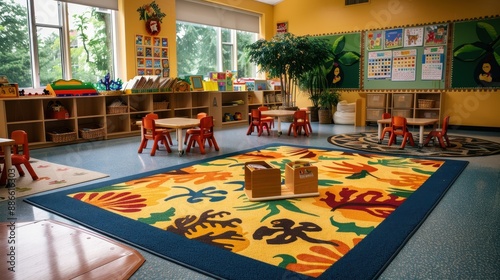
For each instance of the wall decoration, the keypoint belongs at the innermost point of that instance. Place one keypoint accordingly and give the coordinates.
(152, 15)
(436, 35)
(404, 65)
(433, 63)
(152, 56)
(393, 38)
(374, 40)
(343, 70)
(476, 62)
(379, 65)
(414, 37)
(282, 27)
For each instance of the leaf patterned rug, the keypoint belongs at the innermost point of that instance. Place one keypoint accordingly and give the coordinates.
(199, 215)
(50, 176)
(460, 146)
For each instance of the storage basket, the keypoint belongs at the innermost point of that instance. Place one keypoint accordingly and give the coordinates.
(62, 137)
(426, 103)
(91, 133)
(110, 92)
(160, 105)
(117, 109)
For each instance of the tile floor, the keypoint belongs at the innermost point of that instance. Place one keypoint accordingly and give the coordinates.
(460, 239)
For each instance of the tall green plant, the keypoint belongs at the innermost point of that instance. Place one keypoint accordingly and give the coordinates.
(287, 57)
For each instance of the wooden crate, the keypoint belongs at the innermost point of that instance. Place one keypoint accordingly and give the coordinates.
(262, 179)
(301, 177)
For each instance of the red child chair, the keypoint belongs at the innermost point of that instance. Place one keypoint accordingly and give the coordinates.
(399, 128)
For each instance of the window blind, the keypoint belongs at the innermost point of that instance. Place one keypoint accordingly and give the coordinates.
(105, 4)
(216, 15)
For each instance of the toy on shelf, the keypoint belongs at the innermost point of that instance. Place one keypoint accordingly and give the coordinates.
(263, 181)
(8, 89)
(71, 88)
(107, 86)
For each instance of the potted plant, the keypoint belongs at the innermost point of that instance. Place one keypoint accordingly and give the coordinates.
(287, 57)
(328, 99)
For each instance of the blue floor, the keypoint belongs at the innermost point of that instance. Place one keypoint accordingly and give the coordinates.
(459, 240)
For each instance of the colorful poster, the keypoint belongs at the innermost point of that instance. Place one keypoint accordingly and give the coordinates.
(432, 63)
(436, 35)
(152, 56)
(414, 37)
(393, 38)
(379, 65)
(404, 65)
(374, 40)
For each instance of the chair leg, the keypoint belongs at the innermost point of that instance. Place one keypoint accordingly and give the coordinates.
(250, 129)
(448, 143)
(31, 171)
(143, 145)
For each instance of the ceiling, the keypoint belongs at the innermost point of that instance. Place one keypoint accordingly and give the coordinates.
(271, 2)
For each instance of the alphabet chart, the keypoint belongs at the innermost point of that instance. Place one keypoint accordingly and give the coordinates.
(432, 63)
(404, 65)
(379, 65)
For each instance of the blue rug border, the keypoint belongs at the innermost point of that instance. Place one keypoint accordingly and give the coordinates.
(365, 261)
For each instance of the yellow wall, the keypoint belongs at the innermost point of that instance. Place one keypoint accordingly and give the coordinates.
(314, 17)
(330, 16)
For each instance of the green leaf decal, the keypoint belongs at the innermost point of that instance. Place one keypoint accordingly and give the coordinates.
(158, 217)
(351, 227)
(486, 32)
(468, 52)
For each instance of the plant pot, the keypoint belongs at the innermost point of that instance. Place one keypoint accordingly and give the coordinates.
(324, 116)
(314, 113)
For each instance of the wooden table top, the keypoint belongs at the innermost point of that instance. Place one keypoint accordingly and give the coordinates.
(412, 121)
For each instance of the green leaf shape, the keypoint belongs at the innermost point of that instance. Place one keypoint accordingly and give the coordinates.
(349, 58)
(360, 175)
(496, 55)
(158, 217)
(486, 32)
(332, 158)
(351, 227)
(468, 52)
(328, 183)
(111, 188)
(401, 192)
(285, 260)
(395, 162)
(338, 45)
(421, 171)
(274, 207)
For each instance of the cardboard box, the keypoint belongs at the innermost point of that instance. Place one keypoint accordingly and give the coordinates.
(301, 177)
(262, 179)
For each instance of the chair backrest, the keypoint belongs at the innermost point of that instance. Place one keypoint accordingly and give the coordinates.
(444, 128)
(152, 115)
(386, 116)
(256, 115)
(21, 139)
(149, 126)
(201, 115)
(398, 124)
(206, 125)
(263, 108)
(299, 116)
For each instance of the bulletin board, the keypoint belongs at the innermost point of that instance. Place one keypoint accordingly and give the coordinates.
(474, 63)
(345, 66)
(405, 58)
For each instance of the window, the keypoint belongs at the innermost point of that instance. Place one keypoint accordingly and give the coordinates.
(202, 49)
(33, 57)
(214, 42)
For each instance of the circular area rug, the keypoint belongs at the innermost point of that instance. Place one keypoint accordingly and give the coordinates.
(461, 146)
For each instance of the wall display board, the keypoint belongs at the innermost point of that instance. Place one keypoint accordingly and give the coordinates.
(405, 58)
(344, 68)
(476, 49)
(152, 56)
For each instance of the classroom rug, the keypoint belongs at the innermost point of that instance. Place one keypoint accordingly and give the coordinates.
(50, 176)
(198, 214)
(461, 146)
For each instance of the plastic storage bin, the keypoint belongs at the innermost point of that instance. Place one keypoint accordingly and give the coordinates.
(376, 100)
(402, 100)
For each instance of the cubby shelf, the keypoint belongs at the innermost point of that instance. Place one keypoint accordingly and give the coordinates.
(29, 112)
(403, 104)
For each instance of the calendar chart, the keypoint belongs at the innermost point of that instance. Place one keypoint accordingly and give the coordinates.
(404, 65)
(432, 63)
(379, 65)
